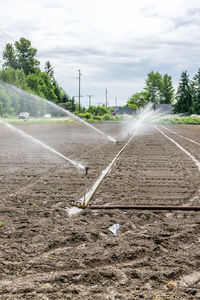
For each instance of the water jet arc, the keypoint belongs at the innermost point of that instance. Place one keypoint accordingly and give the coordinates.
(22, 133)
(91, 193)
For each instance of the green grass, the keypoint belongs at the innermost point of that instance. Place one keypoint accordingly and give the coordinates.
(180, 120)
(162, 120)
(15, 120)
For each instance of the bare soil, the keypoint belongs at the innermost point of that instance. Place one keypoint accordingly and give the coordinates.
(47, 254)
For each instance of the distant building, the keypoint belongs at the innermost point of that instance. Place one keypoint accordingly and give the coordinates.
(164, 108)
(120, 110)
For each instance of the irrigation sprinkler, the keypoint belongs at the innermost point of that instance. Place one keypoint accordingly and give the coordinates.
(136, 207)
(86, 180)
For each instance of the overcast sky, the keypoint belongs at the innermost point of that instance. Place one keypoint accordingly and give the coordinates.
(115, 43)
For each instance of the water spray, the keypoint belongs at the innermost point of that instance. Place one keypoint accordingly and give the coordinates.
(33, 102)
(22, 133)
(145, 115)
(88, 196)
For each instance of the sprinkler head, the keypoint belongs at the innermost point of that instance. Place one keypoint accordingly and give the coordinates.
(86, 170)
(117, 142)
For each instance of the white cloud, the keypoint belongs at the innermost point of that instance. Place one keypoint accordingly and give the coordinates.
(115, 43)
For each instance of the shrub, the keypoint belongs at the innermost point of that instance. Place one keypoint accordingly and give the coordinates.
(107, 117)
(86, 115)
(97, 118)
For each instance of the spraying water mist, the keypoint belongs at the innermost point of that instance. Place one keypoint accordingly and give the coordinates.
(135, 126)
(22, 133)
(22, 101)
(141, 121)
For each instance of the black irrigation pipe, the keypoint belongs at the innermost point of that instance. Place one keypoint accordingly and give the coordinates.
(145, 207)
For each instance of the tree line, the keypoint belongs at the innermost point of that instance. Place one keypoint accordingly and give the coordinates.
(159, 89)
(22, 69)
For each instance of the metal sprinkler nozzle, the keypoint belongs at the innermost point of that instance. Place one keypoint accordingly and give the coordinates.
(86, 179)
(86, 170)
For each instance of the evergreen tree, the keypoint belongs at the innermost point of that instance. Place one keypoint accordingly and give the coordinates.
(167, 90)
(68, 104)
(49, 70)
(183, 95)
(9, 57)
(195, 86)
(58, 92)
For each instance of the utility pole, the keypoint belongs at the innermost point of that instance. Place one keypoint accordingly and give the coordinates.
(106, 97)
(90, 96)
(79, 91)
(115, 101)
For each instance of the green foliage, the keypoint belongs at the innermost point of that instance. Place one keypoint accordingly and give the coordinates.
(97, 118)
(6, 106)
(133, 106)
(21, 69)
(86, 115)
(108, 117)
(181, 120)
(26, 56)
(195, 90)
(154, 87)
(138, 99)
(68, 104)
(49, 70)
(1, 108)
(98, 110)
(14, 76)
(10, 57)
(184, 95)
(167, 90)
(159, 88)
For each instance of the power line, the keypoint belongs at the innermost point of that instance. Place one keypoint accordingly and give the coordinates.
(94, 87)
(9, 36)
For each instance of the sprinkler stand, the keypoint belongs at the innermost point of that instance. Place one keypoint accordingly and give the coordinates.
(86, 180)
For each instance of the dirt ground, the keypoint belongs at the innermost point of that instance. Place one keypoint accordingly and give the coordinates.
(47, 254)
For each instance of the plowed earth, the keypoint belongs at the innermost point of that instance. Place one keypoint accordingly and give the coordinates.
(47, 254)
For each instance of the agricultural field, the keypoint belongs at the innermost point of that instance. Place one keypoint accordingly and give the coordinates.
(46, 253)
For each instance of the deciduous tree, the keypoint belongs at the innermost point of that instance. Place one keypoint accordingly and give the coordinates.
(26, 56)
